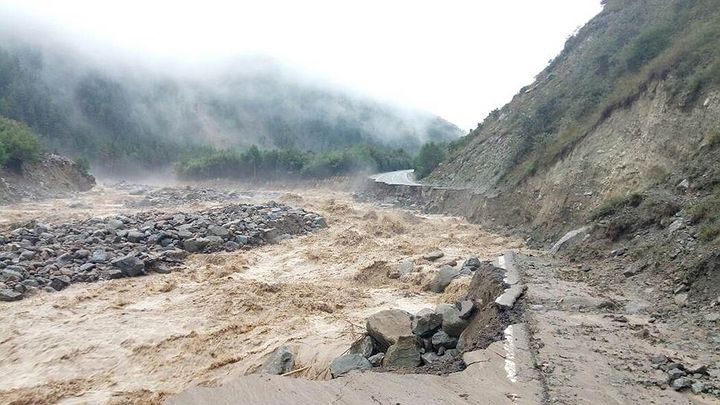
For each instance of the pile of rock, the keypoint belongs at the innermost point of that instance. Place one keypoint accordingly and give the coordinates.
(397, 339)
(448, 273)
(40, 256)
(172, 196)
(681, 377)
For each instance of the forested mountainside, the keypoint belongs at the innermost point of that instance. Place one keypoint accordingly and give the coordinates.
(125, 115)
(631, 101)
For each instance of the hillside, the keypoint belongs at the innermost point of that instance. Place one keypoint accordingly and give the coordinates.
(120, 115)
(631, 99)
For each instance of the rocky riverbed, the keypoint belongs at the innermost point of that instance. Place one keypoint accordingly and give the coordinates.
(36, 255)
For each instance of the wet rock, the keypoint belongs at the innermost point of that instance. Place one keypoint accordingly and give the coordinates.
(388, 325)
(376, 359)
(442, 279)
(472, 263)
(681, 383)
(404, 353)
(432, 256)
(130, 265)
(7, 294)
(347, 363)
(426, 322)
(195, 245)
(442, 339)
(60, 282)
(571, 238)
(466, 308)
(364, 347)
(452, 324)
(280, 362)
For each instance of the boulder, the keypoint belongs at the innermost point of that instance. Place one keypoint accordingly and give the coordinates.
(135, 236)
(388, 325)
(220, 231)
(347, 363)
(452, 324)
(426, 322)
(442, 339)
(280, 362)
(570, 239)
(466, 308)
(404, 353)
(472, 263)
(364, 347)
(443, 278)
(376, 359)
(7, 294)
(130, 265)
(432, 256)
(60, 282)
(194, 245)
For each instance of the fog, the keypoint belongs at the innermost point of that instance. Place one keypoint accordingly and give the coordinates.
(458, 60)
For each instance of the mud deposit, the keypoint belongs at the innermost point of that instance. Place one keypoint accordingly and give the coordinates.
(138, 340)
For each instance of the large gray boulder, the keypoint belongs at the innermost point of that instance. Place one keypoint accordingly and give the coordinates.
(364, 347)
(195, 245)
(571, 238)
(347, 363)
(7, 294)
(452, 324)
(443, 278)
(280, 362)
(403, 354)
(426, 322)
(388, 325)
(130, 265)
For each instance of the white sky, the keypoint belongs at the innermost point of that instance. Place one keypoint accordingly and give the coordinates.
(457, 59)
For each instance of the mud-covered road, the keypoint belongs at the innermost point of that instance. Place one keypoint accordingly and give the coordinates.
(143, 339)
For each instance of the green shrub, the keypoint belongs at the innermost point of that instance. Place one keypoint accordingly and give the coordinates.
(83, 164)
(615, 203)
(430, 156)
(19, 143)
(3, 155)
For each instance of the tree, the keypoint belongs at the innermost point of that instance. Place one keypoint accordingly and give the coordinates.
(430, 156)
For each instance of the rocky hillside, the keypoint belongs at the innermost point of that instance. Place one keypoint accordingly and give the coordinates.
(48, 176)
(631, 100)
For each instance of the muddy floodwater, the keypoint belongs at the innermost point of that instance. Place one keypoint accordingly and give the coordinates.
(142, 339)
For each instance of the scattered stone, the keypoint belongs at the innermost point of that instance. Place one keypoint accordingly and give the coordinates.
(376, 359)
(442, 339)
(405, 353)
(432, 256)
(508, 298)
(472, 263)
(452, 324)
(571, 238)
(388, 325)
(681, 299)
(130, 265)
(280, 362)
(443, 278)
(466, 308)
(364, 347)
(60, 282)
(681, 383)
(7, 294)
(135, 236)
(697, 387)
(347, 363)
(426, 322)
(195, 245)
(632, 270)
(712, 317)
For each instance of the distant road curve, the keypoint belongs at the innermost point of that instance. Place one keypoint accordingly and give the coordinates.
(400, 177)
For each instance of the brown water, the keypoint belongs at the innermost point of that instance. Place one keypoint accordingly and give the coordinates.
(137, 340)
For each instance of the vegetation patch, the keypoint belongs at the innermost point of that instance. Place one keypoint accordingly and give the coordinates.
(17, 144)
(616, 203)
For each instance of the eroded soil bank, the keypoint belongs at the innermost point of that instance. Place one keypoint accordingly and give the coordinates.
(141, 339)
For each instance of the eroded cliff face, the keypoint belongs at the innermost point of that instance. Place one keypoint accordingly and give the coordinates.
(631, 102)
(51, 176)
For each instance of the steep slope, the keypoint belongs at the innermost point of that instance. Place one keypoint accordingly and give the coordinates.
(631, 98)
(121, 115)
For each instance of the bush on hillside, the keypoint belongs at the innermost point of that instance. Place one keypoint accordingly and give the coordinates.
(18, 143)
(430, 156)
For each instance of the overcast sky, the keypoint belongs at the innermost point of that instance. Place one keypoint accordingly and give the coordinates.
(458, 59)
